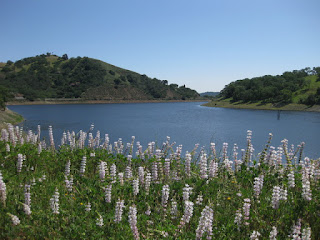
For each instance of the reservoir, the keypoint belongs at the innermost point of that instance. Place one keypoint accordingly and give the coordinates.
(187, 124)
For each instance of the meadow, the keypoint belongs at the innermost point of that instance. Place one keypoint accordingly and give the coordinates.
(89, 187)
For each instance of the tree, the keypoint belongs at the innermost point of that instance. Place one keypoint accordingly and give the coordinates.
(65, 57)
(3, 98)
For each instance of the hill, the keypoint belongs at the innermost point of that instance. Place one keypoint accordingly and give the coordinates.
(296, 87)
(211, 94)
(51, 76)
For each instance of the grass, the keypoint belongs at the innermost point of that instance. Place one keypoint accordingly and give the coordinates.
(9, 116)
(222, 189)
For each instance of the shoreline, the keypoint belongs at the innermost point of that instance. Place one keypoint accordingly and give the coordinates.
(49, 102)
(9, 116)
(267, 106)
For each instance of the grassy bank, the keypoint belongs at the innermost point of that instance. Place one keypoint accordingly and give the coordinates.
(77, 101)
(9, 116)
(258, 105)
(102, 191)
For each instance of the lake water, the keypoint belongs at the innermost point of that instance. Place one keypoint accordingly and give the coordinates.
(186, 123)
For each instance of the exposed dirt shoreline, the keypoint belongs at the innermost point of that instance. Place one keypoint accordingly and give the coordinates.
(259, 106)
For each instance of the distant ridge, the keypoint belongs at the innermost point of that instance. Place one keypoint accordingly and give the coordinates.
(211, 94)
(51, 76)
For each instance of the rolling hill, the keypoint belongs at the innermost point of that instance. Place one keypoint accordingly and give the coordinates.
(52, 76)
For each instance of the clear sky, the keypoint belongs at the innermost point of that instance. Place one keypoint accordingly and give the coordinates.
(204, 44)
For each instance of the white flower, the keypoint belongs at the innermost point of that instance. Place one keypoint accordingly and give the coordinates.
(99, 221)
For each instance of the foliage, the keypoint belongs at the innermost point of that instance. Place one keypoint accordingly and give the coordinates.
(51, 76)
(223, 190)
(271, 89)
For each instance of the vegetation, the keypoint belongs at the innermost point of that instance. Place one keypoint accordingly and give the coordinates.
(298, 86)
(51, 76)
(100, 191)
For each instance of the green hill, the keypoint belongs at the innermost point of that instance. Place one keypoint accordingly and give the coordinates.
(51, 76)
(296, 87)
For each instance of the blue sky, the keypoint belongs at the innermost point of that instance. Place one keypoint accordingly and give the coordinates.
(203, 44)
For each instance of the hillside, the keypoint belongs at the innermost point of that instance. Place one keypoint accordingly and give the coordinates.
(296, 87)
(51, 76)
(211, 94)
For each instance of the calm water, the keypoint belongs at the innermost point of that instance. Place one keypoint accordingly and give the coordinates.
(186, 124)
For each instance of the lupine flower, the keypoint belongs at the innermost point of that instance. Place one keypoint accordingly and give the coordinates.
(186, 192)
(306, 191)
(141, 175)
(20, 162)
(15, 220)
(167, 167)
(296, 231)
(83, 165)
(133, 221)
(3, 190)
(148, 212)
(165, 195)
(291, 180)
(69, 183)
(54, 202)
(107, 191)
(102, 170)
(257, 187)
(26, 209)
(113, 172)
(246, 210)
(203, 166)
(188, 212)
(199, 199)
(213, 169)
(120, 175)
(99, 221)
(205, 223)
(275, 197)
(238, 218)
(51, 137)
(7, 147)
(27, 195)
(255, 235)
(148, 182)
(306, 234)
(67, 168)
(88, 207)
(135, 185)
(128, 172)
(174, 209)
(273, 233)
(154, 171)
(129, 157)
(119, 210)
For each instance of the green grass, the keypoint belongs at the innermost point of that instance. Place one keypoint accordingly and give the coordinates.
(223, 193)
(9, 116)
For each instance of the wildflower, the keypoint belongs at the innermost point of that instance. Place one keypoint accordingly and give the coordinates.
(107, 192)
(99, 221)
(258, 183)
(306, 234)
(199, 199)
(135, 184)
(128, 172)
(88, 207)
(26, 209)
(113, 172)
(83, 165)
(51, 137)
(188, 212)
(3, 190)
(306, 191)
(7, 147)
(119, 210)
(154, 171)
(238, 218)
(275, 197)
(54, 202)
(296, 230)
(133, 221)
(141, 174)
(148, 212)
(273, 233)
(174, 209)
(69, 183)
(167, 167)
(246, 210)
(255, 235)
(20, 162)
(102, 170)
(229, 198)
(291, 180)
(165, 195)
(186, 192)
(67, 168)
(27, 195)
(148, 182)
(213, 169)
(203, 166)
(15, 220)
(120, 175)
(205, 223)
